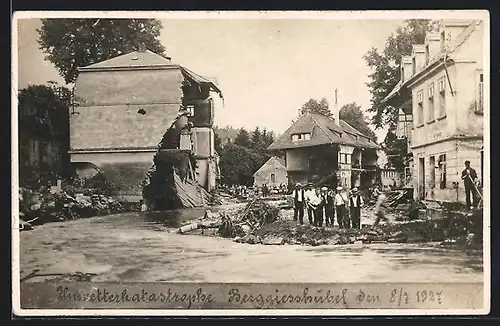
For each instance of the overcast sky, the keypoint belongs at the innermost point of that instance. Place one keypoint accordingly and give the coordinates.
(266, 68)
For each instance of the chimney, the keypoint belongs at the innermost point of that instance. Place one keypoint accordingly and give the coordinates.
(336, 109)
(418, 54)
(406, 68)
(451, 29)
(432, 46)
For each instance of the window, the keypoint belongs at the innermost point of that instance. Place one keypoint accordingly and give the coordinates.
(442, 171)
(344, 158)
(432, 169)
(303, 136)
(420, 107)
(430, 93)
(190, 110)
(480, 92)
(442, 97)
(273, 177)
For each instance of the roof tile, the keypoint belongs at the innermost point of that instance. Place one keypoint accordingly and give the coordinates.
(323, 131)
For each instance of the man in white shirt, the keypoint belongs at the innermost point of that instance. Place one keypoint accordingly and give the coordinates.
(340, 208)
(355, 204)
(310, 211)
(298, 195)
(316, 203)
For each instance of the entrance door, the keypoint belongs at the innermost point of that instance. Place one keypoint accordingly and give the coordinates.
(421, 178)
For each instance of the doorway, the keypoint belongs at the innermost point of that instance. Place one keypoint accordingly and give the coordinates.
(421, 178)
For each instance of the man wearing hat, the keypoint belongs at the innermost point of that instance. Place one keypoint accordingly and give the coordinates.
(340, 202)
(310, 211)
(328, 200)
(298, 203)
(355, 204)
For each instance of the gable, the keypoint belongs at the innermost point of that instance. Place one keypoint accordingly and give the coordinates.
(131, 60)
(271, 164)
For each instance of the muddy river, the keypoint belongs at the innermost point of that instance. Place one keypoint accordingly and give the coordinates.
(137, 247)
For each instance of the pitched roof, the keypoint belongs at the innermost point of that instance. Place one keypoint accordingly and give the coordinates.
(141, 59)
(132, 60)
(450, 50)
(323, 131)
(272, 159)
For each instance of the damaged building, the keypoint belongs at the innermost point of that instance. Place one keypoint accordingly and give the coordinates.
(146, 124)
(319, 149)
(440, 97)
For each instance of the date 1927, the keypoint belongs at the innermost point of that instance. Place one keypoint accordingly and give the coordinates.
(402, 297)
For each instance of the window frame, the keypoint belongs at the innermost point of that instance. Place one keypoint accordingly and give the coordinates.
(420, 107)
(431, 103)
(442, 97)
(301, 136)
(479, 107)
(442, 170)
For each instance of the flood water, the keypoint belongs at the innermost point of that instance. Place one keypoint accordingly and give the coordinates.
(138, 247)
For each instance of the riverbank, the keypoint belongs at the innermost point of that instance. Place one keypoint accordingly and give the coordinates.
(267, 223)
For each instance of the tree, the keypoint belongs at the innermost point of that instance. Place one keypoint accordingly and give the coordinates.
(73, 43)
(395, 150)
(267, 137)
(313, 106)
(386, 71)
(236, 165)
(44, 111)
(258, 141)
(43, 115)
(217, 142)
(353, 115)
(243, 138)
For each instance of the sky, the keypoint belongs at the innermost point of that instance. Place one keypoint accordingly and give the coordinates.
(266, 68)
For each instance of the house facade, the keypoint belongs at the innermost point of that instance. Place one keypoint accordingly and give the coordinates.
(441, 93)
(324, 150)
(272, 173)
(135, 106)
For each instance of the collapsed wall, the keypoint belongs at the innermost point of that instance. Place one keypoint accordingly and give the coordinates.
(170, 182)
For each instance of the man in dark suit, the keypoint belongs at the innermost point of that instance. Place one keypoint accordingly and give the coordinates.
(469, 176)
(298, 195)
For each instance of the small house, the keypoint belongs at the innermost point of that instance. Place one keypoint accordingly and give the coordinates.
(272, 173)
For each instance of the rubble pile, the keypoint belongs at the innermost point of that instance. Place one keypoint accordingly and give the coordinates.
(453, 229)
(234, 223)
(258, 213)
(39, 207)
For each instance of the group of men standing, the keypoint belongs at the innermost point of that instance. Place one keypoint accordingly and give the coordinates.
(322, 205)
